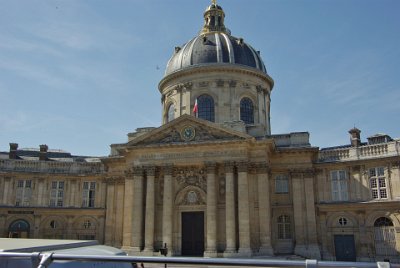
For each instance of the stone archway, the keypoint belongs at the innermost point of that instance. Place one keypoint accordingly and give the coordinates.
(385, 238)
(19, 229)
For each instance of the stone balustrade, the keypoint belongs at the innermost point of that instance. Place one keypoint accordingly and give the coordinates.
(11, 165)
(361, 152)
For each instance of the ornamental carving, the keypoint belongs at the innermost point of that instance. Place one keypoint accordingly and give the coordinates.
(232, 83)
(203, 84)
(191, 176)
(191, 196)
(172, 136)
(220, 83)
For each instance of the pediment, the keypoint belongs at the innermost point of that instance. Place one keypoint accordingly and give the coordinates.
(188, 129)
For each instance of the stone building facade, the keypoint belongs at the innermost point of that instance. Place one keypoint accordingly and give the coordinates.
(212, 180)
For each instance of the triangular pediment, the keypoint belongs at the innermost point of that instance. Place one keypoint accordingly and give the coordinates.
(188, 129)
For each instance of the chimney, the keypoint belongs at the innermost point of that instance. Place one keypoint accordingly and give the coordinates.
(43, 152)
(13, 151)
(355, 139)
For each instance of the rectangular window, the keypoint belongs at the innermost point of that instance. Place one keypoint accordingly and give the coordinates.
(281, 184)
(88, 194)
(57, 194)
(377, 183)
(339, 185)
(23, 193)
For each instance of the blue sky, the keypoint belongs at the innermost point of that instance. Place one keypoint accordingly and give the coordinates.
(79, 75)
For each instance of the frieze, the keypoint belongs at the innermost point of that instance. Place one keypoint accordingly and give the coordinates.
(186, 155)
(115, 180)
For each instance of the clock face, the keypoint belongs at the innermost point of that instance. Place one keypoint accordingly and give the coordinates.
(188, 133)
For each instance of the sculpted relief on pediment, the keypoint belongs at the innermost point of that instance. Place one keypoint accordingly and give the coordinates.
(188, 133)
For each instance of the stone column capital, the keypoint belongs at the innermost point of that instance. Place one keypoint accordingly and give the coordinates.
(210, 166)
(229, 166)
(262, 168)
(243, 166)
(136, 171)
(168, 169)
(150, 170)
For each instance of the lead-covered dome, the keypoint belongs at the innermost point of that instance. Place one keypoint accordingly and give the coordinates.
(214, 45)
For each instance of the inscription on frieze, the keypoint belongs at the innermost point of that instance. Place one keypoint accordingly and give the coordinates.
(186, 155)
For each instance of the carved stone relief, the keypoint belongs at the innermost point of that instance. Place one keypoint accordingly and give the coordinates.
(191, 177)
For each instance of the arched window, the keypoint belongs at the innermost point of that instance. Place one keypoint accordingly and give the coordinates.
(171, 113)
(247, 111)
(284, 227)
(385, 238)
(206, 109)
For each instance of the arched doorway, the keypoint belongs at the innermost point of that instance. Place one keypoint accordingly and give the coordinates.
(385, 238)
(19, 229)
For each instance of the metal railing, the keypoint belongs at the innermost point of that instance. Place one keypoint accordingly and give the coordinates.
(43, 260)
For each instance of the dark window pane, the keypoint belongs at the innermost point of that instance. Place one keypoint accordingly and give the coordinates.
(247, 111)
(206, 108)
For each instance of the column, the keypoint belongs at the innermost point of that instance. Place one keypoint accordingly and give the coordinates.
(264, 209)
(167, 208)
(211, 249)
(128, 211)
(137, 221)
(243, 210)
(230, 215)
(298, 211)
(311, 224)
(150, 212)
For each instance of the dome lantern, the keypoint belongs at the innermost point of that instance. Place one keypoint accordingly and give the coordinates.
(214, 19)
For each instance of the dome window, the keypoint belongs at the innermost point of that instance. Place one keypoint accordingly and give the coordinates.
(206, 108)
(171, 113)
(247, 111)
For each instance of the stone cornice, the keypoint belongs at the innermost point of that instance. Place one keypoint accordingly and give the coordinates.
(207, 68)
(356, 206)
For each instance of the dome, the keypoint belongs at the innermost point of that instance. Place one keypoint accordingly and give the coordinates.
(214, 45)
(215, 48)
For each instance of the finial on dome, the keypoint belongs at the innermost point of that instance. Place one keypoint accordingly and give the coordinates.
(214, 2)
